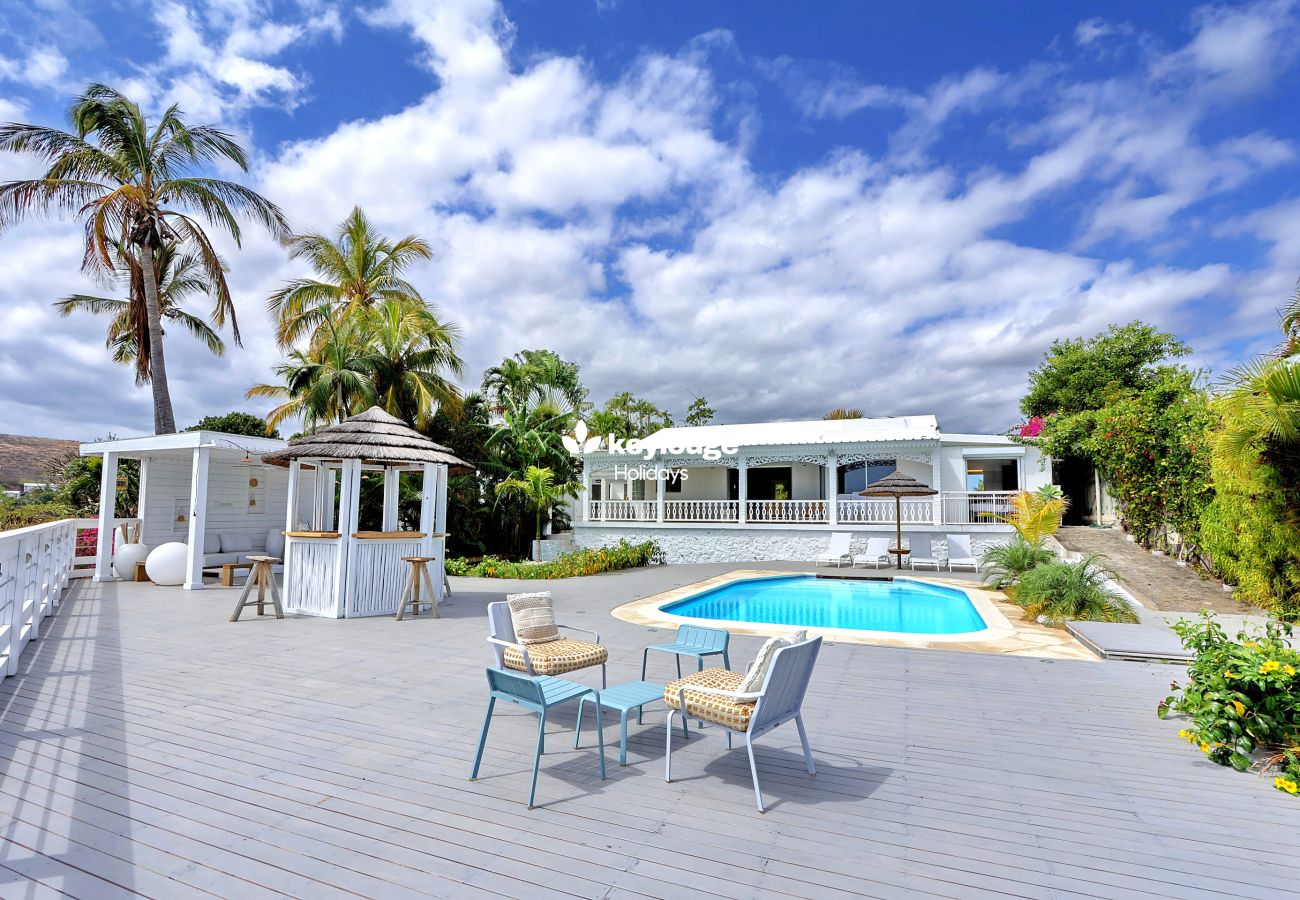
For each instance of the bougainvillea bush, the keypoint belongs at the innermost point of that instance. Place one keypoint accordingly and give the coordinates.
(1242, 698)
(590, 561)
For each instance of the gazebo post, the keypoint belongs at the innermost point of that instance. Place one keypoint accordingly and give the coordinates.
(349, 501)
(392, 487)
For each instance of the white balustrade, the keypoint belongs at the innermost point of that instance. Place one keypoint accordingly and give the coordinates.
(701, 510)
(36, 564)
(786, 510)
(623, 510)
(976, 507)
(880, 511)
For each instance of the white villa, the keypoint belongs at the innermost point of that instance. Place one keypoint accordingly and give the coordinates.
(774, 490)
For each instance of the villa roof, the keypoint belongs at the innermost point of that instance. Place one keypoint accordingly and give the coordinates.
(815, 431)
(372, 436)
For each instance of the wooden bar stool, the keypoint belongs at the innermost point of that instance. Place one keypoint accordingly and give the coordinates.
(261, 575)
(411, 593)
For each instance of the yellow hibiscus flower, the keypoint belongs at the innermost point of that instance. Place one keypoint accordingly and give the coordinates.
(1289, 670)
(1271, 666)
(1229, 674)
(1286, 784)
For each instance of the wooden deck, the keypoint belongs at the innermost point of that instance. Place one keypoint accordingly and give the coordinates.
(150, 747)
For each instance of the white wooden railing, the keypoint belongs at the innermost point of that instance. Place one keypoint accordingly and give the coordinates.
(701, 510)
(881, 511)
(976, 507)
(36, 564)
(785, 510)
(624, 510)
(954, 508)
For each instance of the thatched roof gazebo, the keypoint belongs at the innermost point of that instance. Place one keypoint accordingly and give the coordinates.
(898, 486)
(333, 569)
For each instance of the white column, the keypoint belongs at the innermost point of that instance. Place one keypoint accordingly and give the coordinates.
(295, 487)
(392, 481)
(107, 508)
(586, 493)
(440, 501)
(659, 498)
(742, 475)
(832, 483)
(349, 496)
(141, 493)
(936, 477)
(198, 519)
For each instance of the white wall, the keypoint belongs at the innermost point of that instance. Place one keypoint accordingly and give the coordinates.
(228, 493)
(703, 483)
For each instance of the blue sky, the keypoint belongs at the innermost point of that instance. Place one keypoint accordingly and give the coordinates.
(783, 207)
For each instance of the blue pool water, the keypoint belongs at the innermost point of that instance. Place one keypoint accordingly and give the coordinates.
(910, 607)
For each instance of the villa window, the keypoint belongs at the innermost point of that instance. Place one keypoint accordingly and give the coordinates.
(638, 489)
(856, 477)
(992, 475)
(673, 483)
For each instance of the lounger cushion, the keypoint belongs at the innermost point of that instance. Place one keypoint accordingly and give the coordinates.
(533, 617)
(754, 678)
(724, 711)
(211, 542)
(557, 657)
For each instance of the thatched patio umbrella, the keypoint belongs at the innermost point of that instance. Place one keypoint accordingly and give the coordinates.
(898, 486)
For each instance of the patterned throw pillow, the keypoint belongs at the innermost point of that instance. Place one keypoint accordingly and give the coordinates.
(533, 617)
(757, 673)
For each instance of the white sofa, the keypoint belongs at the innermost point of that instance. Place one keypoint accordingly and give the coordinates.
(235, 546)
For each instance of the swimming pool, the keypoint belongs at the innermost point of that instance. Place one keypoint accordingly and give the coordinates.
(903, 606)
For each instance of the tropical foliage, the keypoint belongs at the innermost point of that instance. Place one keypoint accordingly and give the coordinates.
(138, 187)
(1241, 696)
(592, 561)
(1005, 564)
(1252, 528)
(540, 490)
(179, 276)
(841, 413)
(1036, 515)
(626, 417)
(1057, 592)
(235, 423)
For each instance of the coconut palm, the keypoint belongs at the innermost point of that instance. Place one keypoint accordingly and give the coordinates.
(355, 270)
(842, 413)
(180, 276)
(1261, 411)
(538, 488)
(328, 383)
(1036, 515)
(134, 184)
(411, 354)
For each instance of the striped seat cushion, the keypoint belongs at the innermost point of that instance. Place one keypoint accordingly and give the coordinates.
(557, 657)
(724, 711)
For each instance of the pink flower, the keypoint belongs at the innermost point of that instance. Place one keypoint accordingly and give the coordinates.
(1032, 427)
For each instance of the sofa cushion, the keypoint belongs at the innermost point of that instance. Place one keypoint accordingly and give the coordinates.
(211, 542)
(235, 542)
(275, 543)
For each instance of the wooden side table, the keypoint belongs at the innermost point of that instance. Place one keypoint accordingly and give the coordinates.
(261, 576)
(140, 573)
(411, 593)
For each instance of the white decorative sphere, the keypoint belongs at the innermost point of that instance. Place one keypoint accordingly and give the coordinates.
(166, 564)
(125, 558)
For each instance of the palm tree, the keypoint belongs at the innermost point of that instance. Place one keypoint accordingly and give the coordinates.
(179, 275)
(129, 182)
(842, 413)
(355, 270)
(538, 488)
(1035, 515)
(411, 353)
(1261, 411)
(328, 383)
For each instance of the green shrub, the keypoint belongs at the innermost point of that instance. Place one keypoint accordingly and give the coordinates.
(1006, 564)
(1065, 591)
(590, 561)
(1241, 696)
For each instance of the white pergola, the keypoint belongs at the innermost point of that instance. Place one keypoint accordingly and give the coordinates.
(332, 568)
(176, 471)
